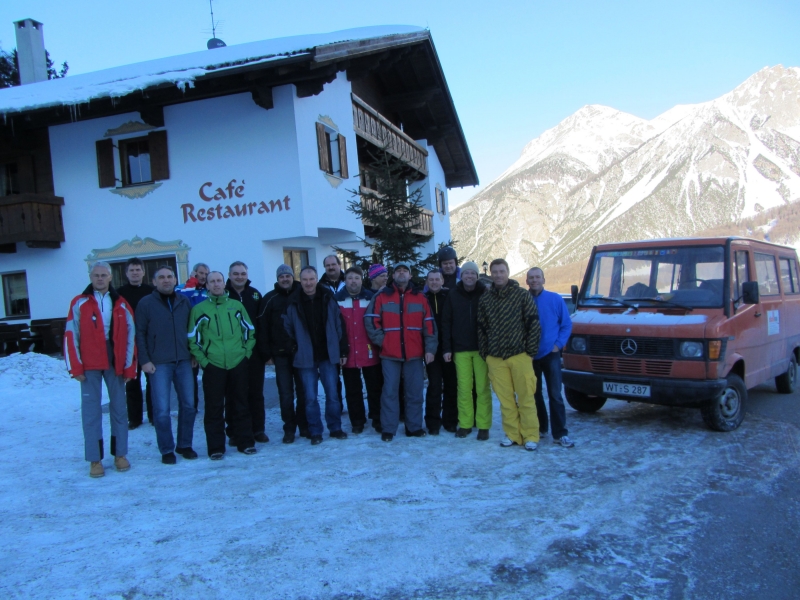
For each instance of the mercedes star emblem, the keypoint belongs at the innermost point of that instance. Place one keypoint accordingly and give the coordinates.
(628, 346)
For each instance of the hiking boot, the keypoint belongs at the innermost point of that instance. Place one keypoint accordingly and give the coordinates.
(168, 458)
(186, 453)
(433, 431)
(96, 469)
(121, 463)
(531, 446)
(564, 442)
(339, 435)
(288, 438)
(249, 451)
(483, 434)
(451, 428)
(462, 433)
(507, 443)
(316, 439)
(417, 433)
(358, 429)
(261, 438)
(386, 437)
(217, 456)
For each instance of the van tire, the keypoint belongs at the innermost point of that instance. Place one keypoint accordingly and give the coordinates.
(726, 411)
(583, 402)
(787, 383)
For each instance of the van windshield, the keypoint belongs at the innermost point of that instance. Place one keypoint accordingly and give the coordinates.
(687, 277)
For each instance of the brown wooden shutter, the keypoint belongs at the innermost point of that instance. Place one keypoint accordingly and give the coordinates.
(105, 163)
(159, 156)
(323, 149)
(344, 173)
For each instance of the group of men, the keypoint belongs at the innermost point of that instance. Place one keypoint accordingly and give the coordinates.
(463, 333)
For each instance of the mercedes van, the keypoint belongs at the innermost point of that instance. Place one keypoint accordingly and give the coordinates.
(684, 322)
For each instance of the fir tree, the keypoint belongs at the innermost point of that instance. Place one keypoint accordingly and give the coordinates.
(9, 68)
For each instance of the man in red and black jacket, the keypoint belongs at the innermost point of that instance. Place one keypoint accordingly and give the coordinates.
(399, 320)
(99, 344)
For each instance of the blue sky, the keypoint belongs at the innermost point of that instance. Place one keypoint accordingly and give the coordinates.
(514, 68)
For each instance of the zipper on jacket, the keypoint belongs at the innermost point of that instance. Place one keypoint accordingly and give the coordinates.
(402, 329)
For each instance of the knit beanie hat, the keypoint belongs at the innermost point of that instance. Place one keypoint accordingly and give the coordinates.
(470, 266)
(376, 270)
(284, 270)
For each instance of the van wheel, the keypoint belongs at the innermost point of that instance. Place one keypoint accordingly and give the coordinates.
(787, 383)
(726, 411)
(583, 402)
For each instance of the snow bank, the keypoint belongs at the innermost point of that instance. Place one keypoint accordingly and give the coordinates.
(31, 370)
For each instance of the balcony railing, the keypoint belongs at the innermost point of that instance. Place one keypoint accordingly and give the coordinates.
(423, 225)
(31, 218)
(376, 129)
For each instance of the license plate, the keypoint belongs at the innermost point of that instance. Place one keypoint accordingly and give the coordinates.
(626, 389)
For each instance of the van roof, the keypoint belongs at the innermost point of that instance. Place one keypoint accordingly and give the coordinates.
(704, 241)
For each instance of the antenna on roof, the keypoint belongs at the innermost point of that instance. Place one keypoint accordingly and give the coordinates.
(214, 42)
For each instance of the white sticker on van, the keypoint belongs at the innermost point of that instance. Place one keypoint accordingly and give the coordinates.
(773, 322)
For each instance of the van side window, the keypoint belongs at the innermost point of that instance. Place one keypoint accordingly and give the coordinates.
(766, 274)
(742, 271)
(789, 276)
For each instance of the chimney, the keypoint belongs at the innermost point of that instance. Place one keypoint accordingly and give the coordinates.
(30, 51)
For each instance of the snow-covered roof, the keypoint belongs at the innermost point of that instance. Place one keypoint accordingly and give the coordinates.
(180, 70)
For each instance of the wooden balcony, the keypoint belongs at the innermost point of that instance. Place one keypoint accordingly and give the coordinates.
(32, 218)
(422, 226)
(376, 129)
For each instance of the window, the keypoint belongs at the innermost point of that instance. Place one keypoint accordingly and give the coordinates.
(15, 293)
(766, 275)
(9, 182)
(150, 266)
(789, 279)
(134, 158)
(741, 271)
(141, 160)
(332, 149)
(297, 259)
(441, 207)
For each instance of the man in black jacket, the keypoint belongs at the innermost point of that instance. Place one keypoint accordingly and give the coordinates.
(440, 399)
(239, 288)
(161, 320)
(133, 291)
(275, 347)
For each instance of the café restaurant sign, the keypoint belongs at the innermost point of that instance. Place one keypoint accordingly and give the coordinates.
(214, 209)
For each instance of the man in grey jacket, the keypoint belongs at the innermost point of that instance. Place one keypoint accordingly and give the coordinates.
(162, 319)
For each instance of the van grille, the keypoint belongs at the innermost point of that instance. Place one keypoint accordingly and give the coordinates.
(631, 366)
(647, 347)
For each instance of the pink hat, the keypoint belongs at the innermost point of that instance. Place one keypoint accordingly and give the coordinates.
(376, 270)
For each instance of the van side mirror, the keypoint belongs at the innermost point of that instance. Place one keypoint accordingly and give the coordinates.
(574, 291)
(750, 292)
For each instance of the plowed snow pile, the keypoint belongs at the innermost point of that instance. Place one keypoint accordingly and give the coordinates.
(31, 370)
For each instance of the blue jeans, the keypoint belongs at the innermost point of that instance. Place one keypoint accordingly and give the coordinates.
(325, 371)
(180, 375)
(550, 366)
(412, 375)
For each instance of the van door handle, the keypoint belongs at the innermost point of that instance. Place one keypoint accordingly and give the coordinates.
(758, 314)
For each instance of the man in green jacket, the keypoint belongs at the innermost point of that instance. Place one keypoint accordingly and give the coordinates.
(508, 338)
(221, 339)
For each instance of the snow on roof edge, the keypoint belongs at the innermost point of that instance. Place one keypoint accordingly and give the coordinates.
(180, 70)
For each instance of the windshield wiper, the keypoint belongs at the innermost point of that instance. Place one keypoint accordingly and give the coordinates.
(609, 299)
(668, 302)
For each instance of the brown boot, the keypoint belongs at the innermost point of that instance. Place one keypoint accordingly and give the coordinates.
(121, 463)
(96, 470)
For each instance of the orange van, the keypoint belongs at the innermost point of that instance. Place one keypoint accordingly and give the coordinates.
(684, 322)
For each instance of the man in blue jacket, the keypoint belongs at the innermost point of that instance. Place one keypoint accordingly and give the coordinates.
(556, 327)
(162, 318)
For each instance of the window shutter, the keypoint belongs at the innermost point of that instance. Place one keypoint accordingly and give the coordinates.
(159, 157)
(344, 173)
(322, 148)
(444, 206)
(105, 163)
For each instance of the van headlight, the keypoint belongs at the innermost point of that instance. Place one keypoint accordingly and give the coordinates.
(578, 344)
(692, 349)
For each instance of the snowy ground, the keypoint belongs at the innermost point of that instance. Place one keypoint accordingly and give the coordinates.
(418, 518)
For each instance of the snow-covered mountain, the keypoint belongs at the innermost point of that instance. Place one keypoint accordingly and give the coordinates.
(603, 175)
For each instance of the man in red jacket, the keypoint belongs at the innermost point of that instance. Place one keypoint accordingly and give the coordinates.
(399, 320)
(99, 345)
